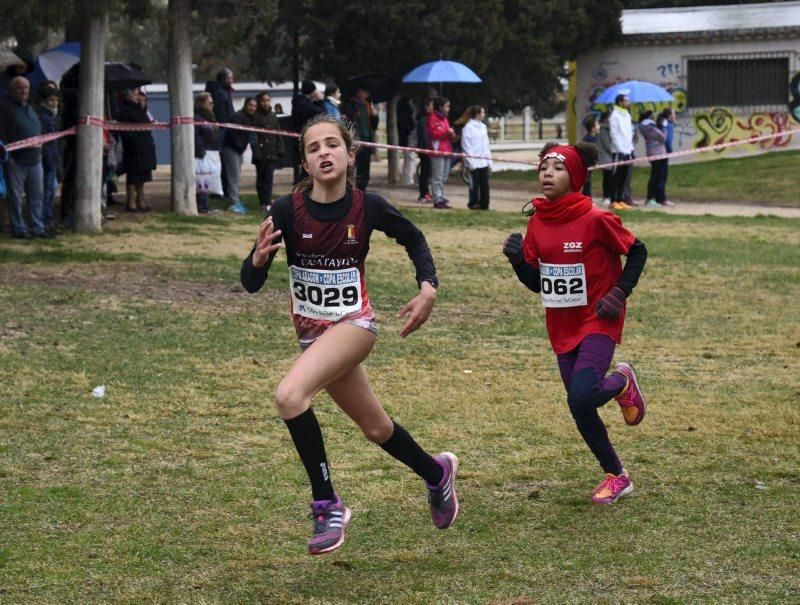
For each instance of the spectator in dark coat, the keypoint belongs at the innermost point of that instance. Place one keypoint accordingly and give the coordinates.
(592, 128)
(362, 114)
(269, 148)
(208, 164)
(305, 106)
(221, 91)
(234, 144)
(424, 159)
(24, 168)
(407, 136)
(138, 151)
(51, 152)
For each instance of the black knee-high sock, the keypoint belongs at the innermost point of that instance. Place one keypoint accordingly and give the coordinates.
(307, 437)
(402, 446)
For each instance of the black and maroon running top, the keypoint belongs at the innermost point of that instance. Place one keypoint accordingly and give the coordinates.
(326, 246)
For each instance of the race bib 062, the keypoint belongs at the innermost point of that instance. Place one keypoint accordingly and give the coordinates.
(321, 294)
(563, 285)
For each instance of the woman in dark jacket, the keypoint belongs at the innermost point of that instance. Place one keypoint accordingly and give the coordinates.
(269, 148)
(51, 152)
(208, 165)
(138, 151)
(424, 159)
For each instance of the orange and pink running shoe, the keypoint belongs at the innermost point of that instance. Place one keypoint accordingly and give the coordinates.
(612, 488)
(631, 400)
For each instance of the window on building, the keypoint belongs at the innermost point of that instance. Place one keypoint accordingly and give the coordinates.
(750, 80)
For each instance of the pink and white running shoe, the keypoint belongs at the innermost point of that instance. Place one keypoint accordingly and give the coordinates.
(612, 488)
(631, 400)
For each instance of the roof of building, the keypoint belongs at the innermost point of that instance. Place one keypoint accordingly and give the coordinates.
(736, 20)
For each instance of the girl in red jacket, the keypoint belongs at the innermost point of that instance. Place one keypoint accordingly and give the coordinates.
(440, 135)
(571, 255)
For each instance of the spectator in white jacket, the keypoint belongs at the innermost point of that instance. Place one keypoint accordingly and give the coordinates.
(622, 132)
(475, 142)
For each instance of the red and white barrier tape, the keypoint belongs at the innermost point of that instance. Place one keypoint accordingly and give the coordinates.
(39, 139)
(685, 152)
(99, 122)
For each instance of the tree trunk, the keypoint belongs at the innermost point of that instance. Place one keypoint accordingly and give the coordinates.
(392, 138)
(89, 139)
(181, 104)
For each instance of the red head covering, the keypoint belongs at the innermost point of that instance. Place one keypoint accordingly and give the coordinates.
(573, 161)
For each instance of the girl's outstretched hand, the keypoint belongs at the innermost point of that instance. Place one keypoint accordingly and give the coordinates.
(418, 309)
(264, 244)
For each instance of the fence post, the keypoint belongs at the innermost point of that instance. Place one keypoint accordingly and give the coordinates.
(526, 123)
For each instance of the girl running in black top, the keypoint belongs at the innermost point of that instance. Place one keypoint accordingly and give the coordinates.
(325, 226)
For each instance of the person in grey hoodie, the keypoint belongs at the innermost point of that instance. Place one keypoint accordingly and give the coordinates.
(654, 141)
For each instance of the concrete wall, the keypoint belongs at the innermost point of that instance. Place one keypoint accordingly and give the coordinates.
(694, 127)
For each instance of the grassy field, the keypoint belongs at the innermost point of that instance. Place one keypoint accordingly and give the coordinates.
(181, 485)
(770, 178)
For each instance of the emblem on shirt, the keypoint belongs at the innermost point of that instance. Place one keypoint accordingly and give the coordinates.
(573, 247)
(351, 235)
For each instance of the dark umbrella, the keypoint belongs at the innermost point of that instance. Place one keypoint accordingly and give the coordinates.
(382, 86)
(117, 75)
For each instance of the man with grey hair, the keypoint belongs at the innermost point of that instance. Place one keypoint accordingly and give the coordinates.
(25, 176)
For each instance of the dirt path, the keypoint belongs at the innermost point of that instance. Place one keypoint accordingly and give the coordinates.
(506, 197)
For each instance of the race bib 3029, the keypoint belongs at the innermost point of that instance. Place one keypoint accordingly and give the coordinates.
(322, 294)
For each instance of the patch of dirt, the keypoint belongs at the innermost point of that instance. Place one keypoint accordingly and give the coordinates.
(133, 280)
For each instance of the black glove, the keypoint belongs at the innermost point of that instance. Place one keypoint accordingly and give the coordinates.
(610, 306)
(512, 248)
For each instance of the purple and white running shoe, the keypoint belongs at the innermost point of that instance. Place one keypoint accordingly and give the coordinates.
(442, 497)
(331, 518)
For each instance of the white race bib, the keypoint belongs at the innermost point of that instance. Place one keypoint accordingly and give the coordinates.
(322, 294)
(563, 285)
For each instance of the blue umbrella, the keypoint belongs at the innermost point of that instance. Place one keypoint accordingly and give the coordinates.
(637, 91)
(52, 64)
(442, 71)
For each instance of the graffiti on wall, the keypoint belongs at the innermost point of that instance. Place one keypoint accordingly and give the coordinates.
(600, 72)
(721, 125)
(702, 127)
(671, 68)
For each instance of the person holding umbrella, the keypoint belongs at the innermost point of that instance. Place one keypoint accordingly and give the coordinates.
(440, 136)
(621, 128)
